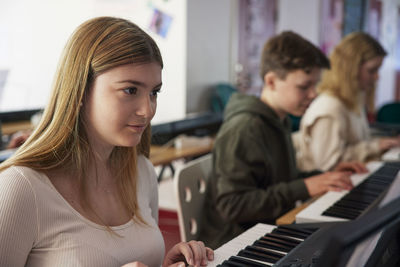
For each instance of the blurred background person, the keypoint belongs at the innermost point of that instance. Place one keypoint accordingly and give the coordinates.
(335, 127)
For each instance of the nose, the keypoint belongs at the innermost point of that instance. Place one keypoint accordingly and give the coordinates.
(145, 107)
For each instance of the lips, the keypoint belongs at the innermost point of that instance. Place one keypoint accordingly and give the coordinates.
(137, 127)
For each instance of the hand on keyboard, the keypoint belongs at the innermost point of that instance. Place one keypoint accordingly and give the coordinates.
(352, 166)
(387, 143)
(328, 181)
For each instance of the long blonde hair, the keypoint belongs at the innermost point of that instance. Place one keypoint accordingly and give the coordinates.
(342, 79)
(60, 140)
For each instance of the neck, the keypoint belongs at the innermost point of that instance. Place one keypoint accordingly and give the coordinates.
(268, 98)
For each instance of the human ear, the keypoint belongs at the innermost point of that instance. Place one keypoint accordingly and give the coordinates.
(270, 80)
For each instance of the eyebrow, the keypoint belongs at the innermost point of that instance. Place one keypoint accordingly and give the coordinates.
(138, 83)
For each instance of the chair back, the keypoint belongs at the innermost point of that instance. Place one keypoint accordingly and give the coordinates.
(220, 96)
(389, 113)
(190, 183)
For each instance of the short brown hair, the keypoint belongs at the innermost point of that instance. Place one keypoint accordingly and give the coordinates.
(287, 52)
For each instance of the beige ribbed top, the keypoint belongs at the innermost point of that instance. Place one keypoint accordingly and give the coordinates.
(39, 228)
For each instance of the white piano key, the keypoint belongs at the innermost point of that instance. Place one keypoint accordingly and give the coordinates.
(392, 154)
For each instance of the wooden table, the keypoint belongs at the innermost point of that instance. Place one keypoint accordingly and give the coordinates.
(290, 216)
(12, 127)
(165, 155)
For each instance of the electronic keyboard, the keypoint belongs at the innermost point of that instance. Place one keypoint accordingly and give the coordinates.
(347, 205)
(269, 245)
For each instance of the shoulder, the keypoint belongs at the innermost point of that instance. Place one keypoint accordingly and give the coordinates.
(17, 188)
(324, 106)
(326, 102)
(246, 135)
(17, 177)
(243, 126)
(144, 165)
(146, 171)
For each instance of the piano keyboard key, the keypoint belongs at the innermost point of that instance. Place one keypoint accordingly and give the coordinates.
(392, 155)
(242, 262)
(348, 205)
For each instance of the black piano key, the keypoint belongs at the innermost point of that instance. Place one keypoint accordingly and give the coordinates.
(387, 171)
(266, 252)
(344, 211)
(341, 205)
(272, 245)
(371, 186)
(269, 238)
(290, 232)
(255, 255)
(339, 214)
(286, 238)
(306, 231)
(379, 180)
(353, 206)
(359, 197)
(351, 203)
(239, 261)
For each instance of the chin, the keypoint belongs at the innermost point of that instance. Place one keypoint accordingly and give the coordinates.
(132, 142)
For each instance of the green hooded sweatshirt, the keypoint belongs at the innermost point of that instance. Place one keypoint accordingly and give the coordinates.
(254, 177)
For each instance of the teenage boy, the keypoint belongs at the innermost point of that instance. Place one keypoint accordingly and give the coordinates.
(254, 175)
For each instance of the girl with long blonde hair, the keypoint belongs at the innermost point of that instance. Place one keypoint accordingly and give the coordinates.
(81, 191)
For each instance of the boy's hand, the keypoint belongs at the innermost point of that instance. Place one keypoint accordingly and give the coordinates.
(329, 181)
(352, 166)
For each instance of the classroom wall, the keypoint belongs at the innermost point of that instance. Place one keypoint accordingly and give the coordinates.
(209, 56)
(199, 50)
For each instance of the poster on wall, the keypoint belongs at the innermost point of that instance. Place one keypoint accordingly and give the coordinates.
(373, 18)
(257, 23)
(160, 23)
(332, 24)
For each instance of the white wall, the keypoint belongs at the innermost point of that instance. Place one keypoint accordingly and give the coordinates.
(209, 44)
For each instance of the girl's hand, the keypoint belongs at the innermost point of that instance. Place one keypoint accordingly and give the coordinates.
(135, 264)
(193, 253)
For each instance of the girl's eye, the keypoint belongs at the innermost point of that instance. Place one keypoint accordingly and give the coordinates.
(131, 90)
(154, 93)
